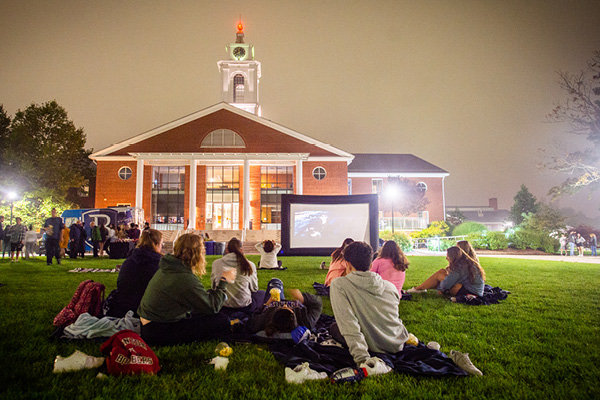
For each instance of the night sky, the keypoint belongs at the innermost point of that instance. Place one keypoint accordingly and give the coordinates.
(465, 85)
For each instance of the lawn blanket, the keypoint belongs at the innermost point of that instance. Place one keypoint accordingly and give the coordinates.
(85, 270)
(491, 295)
(323, 290)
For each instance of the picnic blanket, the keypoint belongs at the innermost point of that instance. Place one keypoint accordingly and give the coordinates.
(82, 270)
(491, 295)
(323, 290)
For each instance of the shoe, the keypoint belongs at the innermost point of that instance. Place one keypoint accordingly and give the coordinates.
(300, 333)
(375, 366)
(76, 361)
(415, 290)
(463, 361)
(331, 342)
(302, 373)
(323, 265)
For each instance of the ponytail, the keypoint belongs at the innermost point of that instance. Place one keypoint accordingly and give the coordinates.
(235, 246)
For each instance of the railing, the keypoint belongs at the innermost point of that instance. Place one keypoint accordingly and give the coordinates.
(435, 243)
(402, 223)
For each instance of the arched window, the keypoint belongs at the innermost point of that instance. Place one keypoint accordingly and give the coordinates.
(319, 173)
(223, 138)
(125, 173)
(238, 88)
(422, 187)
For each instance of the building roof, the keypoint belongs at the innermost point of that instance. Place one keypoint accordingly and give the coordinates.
(392, 163)
(487, 217)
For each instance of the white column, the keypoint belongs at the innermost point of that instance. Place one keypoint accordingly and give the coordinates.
(139, 185)
(193, 184)
(299, 177)
(246, 194)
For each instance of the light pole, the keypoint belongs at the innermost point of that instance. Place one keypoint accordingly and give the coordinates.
(391, 192)
(12, 196)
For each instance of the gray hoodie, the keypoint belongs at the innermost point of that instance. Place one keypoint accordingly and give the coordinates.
(366, 311)
(239, 293)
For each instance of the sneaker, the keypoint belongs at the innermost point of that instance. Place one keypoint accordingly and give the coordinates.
(376, 366)
(76, 362)
(331, 342)
(323, 265)
(415, 290)
(463, 361)
(302, 373)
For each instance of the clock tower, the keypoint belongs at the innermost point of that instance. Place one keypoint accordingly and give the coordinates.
(240, 75)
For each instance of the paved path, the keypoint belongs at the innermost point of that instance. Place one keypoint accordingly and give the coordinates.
(586, 259)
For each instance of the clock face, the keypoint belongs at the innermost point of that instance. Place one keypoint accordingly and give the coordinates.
(239, 53)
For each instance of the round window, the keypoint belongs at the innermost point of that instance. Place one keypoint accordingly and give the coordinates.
(422, 187)
(319, 173)
(125, 173)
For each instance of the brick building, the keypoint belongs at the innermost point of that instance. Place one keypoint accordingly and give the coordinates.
(225, 167)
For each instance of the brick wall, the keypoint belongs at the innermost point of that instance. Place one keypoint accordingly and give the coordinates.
(110, 189)
(335, 182)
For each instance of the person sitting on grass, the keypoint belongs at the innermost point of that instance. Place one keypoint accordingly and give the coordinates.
(239, 293)
(463, 275)
(135, 274)
(366, 311)
(268, 254)
(337, 266)
(279, 317)
(391, 264)
(176, 308)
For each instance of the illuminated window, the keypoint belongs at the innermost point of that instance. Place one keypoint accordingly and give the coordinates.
(125, 173)
(223, 138)
(238, 88)
(422, 187)
(274, 181)
(376, 186)
(319, 173)
(168, 198)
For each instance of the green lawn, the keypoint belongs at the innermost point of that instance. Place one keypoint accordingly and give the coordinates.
(542, 342)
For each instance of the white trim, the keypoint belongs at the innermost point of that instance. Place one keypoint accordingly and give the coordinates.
(193, 185)
(113, 158)
(246, 184)
(397, 174)
(325, 159)
(444, 198)
(299, 177)
(212, 109)
(139, 184)
(221, 156)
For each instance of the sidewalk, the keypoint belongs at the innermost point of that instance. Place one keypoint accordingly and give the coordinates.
(574, 259)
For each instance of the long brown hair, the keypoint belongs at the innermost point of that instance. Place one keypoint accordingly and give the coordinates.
(189, 248)
(393, 252)
(149, 239)
(235, 246)
(471, 259)
(337, 254)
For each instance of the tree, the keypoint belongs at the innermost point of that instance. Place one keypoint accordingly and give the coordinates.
(455, 217)
(581, 112)
(525, 202)
(4, 133)
(44, 149)
(546, 219)
(409, 197)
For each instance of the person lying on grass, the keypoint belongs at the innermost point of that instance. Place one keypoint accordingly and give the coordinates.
(366, 311)
(391, 264)
(239, 293)
(280, 316)
(134, 275)
(176, 308)
(337, 266)
(461, 277)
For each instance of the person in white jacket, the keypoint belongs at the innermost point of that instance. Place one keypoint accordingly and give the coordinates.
(366, 308)
(31, 238)
(268, 250)
(239, 293)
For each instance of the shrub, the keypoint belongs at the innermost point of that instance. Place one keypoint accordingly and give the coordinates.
(440, 244)
(401, 238)
(477, 240)
(436, 228)
(530, 239)
(496, 240)
(468, 227)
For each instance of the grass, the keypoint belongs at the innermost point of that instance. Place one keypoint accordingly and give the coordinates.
(542, 342)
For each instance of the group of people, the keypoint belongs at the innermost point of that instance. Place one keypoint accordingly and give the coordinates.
(102, 236)
(175, 307)
(13, 238)
(576, 240)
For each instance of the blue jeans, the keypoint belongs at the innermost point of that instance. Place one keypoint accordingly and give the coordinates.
(273, 283)
(593, 250)
(572, 247)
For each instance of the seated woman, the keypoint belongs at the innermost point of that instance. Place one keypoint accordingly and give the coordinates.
(391, 264)
(278, 318)
(463, 275)
(239, 293)
(268, 254)
(176, 308)
(337, 266)
(134, 275)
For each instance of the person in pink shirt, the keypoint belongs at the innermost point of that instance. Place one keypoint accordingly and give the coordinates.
(391, 264)
(337, 266)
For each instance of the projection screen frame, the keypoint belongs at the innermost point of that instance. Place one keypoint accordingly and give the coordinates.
(286, 229)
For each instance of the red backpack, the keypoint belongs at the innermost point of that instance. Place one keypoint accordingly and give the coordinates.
(127, 354)
(88, 298)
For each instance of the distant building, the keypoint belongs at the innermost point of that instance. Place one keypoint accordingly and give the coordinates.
(225, 167)
(490, 216)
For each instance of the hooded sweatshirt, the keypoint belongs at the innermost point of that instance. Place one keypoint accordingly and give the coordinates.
(134, 275)
(366, 311)
(174, 292)
(239, 293)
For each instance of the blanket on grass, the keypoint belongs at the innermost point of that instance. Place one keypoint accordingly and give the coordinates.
(491, 295)
(82, 270)
(323, 290)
